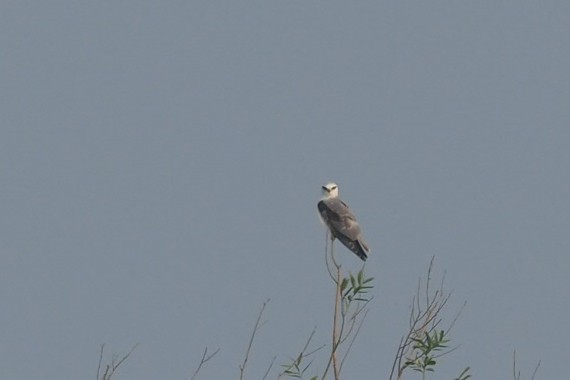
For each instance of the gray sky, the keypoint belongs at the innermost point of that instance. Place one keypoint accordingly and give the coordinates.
(161, 164)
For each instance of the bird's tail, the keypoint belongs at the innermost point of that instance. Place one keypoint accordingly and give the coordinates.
(362, 249)
(359, 247)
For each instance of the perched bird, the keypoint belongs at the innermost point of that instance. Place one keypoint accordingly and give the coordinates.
(340, 220)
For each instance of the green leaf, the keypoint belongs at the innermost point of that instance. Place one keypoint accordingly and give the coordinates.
(343, 284)
(352, 281)
(464, 375)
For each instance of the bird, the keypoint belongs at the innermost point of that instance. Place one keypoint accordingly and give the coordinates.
(341, 222)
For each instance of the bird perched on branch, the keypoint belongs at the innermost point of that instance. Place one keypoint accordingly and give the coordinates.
(340, 220)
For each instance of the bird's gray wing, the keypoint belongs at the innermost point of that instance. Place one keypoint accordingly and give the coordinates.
(343, 225)
(339, 218)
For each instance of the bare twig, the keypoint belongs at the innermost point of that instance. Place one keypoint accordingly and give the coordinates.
(517, 373)
(335, 337)
(114, 365)
(255, 328)
(327, 238)
(204, 360)
(535, 370)
(269, 368)
(100, 360)
(311, 335)
(457, 316)
(398, 355)
(516, 376)
(353, 338)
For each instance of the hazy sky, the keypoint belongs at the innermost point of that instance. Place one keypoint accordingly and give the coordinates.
(161, 162)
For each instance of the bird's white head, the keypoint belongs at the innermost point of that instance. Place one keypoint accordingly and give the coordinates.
(330, 190)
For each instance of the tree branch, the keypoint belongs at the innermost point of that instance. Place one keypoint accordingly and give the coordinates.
(204, 360)
(114, 365)
(255, 328)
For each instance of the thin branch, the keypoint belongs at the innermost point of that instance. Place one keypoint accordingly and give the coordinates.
(336, 335)
(335, 340)
(111, 368)
(426, 307)
(457, 316)
(126, 356)
(255, 328)
(347, 319)
(535, 370)
(336, 265)
(517, 373)
(428, 280)
(107, 371)
(269, 368)
(515, 376)
(315, 350)
(327, 256)
(353, 338)
(297, 361)
(100, 360)
(308, 342)
(353, 319)
(204, 360)
(443, 353)
(400, 347)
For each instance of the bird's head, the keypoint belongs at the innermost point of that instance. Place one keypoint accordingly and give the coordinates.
(330, 190)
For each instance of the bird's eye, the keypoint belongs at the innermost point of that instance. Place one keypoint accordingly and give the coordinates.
(334, 187)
